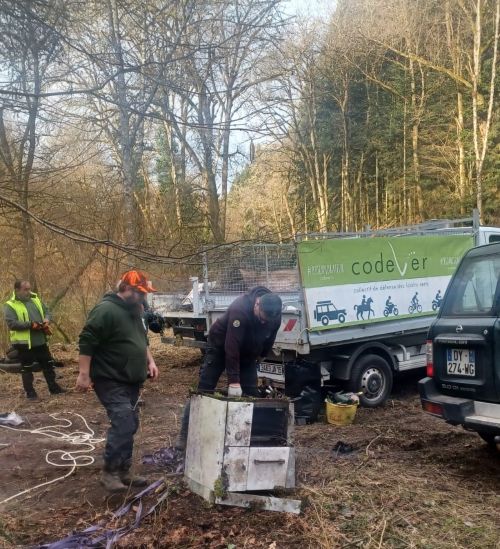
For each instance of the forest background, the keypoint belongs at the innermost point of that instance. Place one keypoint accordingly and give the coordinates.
(134, 133)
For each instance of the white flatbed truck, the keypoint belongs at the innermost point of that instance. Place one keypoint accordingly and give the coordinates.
(356, 306)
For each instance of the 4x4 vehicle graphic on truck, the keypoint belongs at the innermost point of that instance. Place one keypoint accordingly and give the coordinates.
(463, 350)
(326, 311)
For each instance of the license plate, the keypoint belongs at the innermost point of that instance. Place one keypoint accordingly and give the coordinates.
(461, 362)
(276, 369)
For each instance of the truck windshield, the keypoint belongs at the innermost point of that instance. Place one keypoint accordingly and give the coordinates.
(475, 288)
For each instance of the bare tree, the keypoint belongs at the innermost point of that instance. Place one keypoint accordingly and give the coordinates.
(31, 48)
(473, 28)
(293, 117)
(214, 82)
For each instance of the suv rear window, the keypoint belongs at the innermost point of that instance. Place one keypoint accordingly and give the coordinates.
(474, 287)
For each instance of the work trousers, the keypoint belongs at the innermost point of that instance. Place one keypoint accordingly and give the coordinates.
(120, 400)
(40, 354)
(214, 364)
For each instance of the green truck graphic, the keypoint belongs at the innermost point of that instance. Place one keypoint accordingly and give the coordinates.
(352, 281)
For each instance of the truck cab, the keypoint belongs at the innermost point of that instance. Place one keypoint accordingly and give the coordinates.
(463, 349)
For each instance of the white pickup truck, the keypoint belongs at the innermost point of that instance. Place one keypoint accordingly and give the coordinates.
(356, 306)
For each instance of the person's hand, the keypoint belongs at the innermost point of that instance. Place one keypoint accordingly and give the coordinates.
(36, 326)
(47, 330)
(83, 383)
(153, 371)
(234, 390)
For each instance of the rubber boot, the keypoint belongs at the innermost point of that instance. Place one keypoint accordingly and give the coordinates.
(129, 479)
(31, 394)
(112, 482)
(27, 378)
(50, 378)
(56, 389)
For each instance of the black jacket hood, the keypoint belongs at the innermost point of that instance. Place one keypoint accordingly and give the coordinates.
(256, 292)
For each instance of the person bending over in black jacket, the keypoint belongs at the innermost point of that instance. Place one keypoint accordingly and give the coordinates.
(236, 340)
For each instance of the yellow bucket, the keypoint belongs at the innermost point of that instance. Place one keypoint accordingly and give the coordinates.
(340, 414)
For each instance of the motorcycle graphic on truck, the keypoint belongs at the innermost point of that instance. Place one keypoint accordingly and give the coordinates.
(436, 302)
(390, 308)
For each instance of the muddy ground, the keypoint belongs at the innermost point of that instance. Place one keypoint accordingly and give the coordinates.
(411, 481)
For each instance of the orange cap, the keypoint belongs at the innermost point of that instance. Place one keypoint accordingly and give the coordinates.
(138, 281)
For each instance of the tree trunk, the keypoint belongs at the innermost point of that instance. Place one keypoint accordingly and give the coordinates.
(377, 205)
(402, 214)
(288, 209)
(346, 167)
(25, 168)
(226, 135)
(456, 56)
(129, 171)
(416, 114)
(173, 173)
(481, 125)
(462, 180)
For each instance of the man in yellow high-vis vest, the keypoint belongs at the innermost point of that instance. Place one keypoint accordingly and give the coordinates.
(28, 321)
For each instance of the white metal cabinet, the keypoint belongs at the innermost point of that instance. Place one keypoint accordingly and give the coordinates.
(222, 458)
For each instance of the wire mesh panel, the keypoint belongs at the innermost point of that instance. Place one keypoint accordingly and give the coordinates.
(233, 270)
(239, 268)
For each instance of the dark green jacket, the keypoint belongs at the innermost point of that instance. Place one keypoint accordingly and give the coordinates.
(115, 338)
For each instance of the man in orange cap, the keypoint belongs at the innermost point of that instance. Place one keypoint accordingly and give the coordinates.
(116, 360)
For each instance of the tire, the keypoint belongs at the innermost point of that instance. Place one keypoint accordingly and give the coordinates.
(17, 368)
(386, 312)
(11, 368)
(325, 320)
(411, 309)
(419, 308)
(434, 306)
(341, 318)
(372, 375)
(489, 438)
(395, 311)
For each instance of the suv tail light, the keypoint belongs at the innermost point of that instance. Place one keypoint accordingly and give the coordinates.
(430, 358)
(432, 408)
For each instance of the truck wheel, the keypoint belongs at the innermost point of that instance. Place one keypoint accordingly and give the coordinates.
(341, 318)
(325, 320)
(372, 376)
(489, 438)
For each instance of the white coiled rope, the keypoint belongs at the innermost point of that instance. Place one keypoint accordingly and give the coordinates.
(59, 458)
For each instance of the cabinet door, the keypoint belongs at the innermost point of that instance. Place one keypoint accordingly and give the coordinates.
(267, 468)
(235, 468)
(205, 443)
(238, 423)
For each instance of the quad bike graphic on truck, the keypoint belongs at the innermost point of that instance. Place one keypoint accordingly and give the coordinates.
(326, 311)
